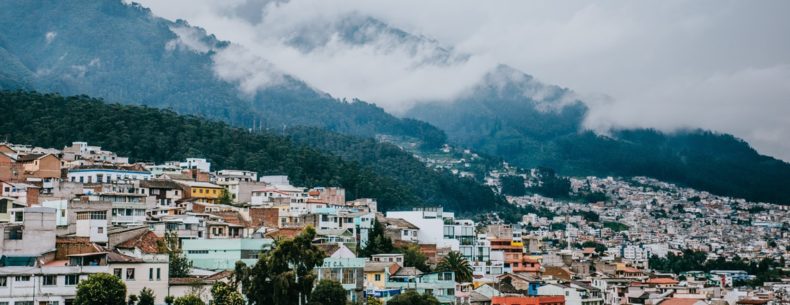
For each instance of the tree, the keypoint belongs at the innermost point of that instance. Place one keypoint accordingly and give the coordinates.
(147, 297)
(225, 198)
(169, 300)
(179, 265)
(378, 242)
(413, 257)
(328, 292)
(413, 298)
(189, 299)
(132, 299)
(224, 294)
(101, 289)
(513, 185)
(456, 263)
(373, 301)
(599, 248)
(284, 275)
(615, 226)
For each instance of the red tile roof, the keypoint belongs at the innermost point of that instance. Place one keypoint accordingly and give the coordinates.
(661, 281)
(147, 242)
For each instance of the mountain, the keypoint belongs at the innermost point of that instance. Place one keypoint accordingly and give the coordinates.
(374, 170)
(508, 113)
(124, 53)
(512, 115)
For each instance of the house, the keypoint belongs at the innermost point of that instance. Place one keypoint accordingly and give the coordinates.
(105, 174)
(165, 192)
(400, 231)
(198, 285)
(682, 301)
(661, 282)
(203, 192)
(239, 184)
(222, 254)
(30, 232)
(439, 284)
(349, 272)
(377, 274)
(388, 258)
(24, 193)
(576, 293)
(520, 283)
(526, 300)
(148, 271)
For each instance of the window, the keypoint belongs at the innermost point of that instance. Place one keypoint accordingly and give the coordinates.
(377, 277)
(197, 251)
(23, 302)
(49, 280)
(150, 274)
(4, 206)
(348, 276)
(3, 281)
(19, 216)
(100, 230)
(158, 274)
(130, 274)
(117, 272)
(72, 279)
(22, 278)
(249, 254)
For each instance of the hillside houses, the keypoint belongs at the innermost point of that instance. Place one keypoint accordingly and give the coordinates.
(82, 210)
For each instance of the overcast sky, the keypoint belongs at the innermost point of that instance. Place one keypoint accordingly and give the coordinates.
(720, 65)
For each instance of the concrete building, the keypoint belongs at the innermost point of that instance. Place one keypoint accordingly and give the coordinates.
(30, 232)
(349, 272)
(222, 254)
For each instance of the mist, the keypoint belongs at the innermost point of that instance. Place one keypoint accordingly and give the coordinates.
(720, 65)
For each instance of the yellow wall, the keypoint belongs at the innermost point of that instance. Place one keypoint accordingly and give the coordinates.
(207, 193)
(371, 277)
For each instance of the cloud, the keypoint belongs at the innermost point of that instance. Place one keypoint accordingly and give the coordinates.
(671, 64)
(50, 36)
(253, 73)
(188, 38)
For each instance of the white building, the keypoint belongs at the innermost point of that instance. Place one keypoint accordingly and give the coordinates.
(431, 224)
(105, 175)
(576, 293)
(196, 163)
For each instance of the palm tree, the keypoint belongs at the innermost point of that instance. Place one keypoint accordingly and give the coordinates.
(456, 263)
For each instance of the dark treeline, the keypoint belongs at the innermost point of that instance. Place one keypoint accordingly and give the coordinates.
(148, 134)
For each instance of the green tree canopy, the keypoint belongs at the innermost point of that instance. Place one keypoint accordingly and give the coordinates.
(413, 257)
(377, 243)
(101, 289)
(147, 297)
(189, 299)
(284, 274)
(455, 262)
(225, 294)
(328, 292)
(179, 265)
(411, 297)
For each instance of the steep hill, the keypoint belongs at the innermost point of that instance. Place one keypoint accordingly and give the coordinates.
(148, 134)
(511, 115)
(124, 53)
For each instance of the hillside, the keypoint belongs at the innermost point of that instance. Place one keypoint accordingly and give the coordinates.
(123, 53)
(148, 134)
(511, 115)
